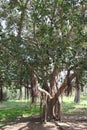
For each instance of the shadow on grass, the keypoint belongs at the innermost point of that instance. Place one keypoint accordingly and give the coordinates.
(15, 110)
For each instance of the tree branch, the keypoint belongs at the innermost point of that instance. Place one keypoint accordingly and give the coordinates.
(63, 86)
(22, 18)
(68, 34)
(45, 92)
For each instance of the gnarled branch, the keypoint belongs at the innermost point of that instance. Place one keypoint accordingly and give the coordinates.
(44, 92)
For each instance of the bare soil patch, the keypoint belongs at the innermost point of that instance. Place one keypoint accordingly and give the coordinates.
(69, 122)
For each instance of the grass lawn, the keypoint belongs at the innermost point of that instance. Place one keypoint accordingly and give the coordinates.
(69, 107)
(13, 109)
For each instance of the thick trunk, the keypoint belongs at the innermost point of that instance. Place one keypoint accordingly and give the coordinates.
(50, 110)
(52, 107)
(53, 88)
(54, 110)
(57, 110)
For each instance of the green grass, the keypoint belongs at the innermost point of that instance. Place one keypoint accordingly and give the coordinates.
(69, 107)
(14, 104)
(12, 113)
(10, 110)
(13, 109)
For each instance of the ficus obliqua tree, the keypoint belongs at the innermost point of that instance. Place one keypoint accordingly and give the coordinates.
(44, 38)
(58, 28)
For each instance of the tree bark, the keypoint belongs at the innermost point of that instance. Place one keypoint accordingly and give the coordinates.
(53, 104)
(22, 19)
(34, 87)
(20, 97)
(1, 89)
(53, 81)
(27, 89)
(77, 91)
(77, 95)
(25, 93)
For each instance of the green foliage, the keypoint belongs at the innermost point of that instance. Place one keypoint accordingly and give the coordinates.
(39, 34)
(59, 2)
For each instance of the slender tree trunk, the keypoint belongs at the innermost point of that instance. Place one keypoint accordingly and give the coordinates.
(45, 112)
(77, 95)
(34, 86)
(77, 91)
(1, 89)
(27, 90)
(20, 97)
(25, 93)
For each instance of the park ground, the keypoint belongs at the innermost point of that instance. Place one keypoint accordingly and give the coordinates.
(13, 117)
(69, 122)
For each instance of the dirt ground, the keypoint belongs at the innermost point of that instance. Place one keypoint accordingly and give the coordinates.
(68, 122)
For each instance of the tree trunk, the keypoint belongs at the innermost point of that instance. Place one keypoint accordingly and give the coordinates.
(50, 103)
(57, 109)
(53, 86)
(20, 97)
(52, 107)
(77, 95)
(77, 91)
(34, 83)
(27, 91)
(45, 112)
(1, 89)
